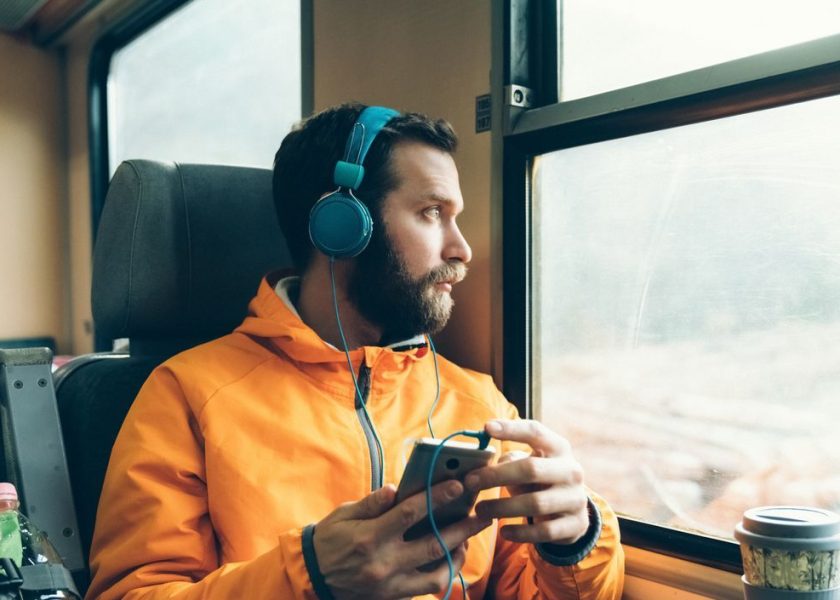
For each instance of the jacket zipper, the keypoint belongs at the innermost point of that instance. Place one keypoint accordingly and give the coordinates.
(367, 427)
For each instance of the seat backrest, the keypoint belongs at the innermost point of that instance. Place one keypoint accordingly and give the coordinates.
(179, 253)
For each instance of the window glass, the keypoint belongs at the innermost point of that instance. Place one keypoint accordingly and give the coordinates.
(687, 314)
(610, 44)
(216, 82)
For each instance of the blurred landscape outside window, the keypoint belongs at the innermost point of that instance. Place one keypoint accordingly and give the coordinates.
(611, 44)
(216, 82)
(687, 314)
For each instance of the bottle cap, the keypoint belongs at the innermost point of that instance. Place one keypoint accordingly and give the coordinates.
(8, 491)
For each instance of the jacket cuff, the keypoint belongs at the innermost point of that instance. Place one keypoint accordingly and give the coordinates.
(564, 555)
(319, 584)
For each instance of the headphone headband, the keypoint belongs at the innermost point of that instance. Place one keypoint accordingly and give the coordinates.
(339, 225)
(349, 172)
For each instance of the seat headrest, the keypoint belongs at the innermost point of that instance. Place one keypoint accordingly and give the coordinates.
(181, 249)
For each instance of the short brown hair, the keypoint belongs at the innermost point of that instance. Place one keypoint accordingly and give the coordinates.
(303, 165)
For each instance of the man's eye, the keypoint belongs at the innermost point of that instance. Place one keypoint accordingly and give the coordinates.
(433, 212)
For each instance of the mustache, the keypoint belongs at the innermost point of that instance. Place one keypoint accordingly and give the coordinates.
(453, 272)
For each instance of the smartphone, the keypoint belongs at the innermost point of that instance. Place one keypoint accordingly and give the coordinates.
(454, 461)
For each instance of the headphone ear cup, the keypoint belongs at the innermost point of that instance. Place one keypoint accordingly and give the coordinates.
(340, 226)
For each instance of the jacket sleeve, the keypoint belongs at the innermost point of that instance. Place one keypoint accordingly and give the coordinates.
(523, 571)
(154, 539)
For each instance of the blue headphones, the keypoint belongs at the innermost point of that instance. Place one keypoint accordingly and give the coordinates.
(340, 226)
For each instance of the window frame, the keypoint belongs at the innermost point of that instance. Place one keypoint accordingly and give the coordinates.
(780, 77)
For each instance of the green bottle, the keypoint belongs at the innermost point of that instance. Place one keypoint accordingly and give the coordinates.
(44, 575)
(10, 541)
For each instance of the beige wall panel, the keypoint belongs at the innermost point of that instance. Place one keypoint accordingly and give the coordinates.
(430, 56)
(32, 300)
(78, 183)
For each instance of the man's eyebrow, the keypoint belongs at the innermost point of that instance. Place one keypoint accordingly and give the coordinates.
(433, 197)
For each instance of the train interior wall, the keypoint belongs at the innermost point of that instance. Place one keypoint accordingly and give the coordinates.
(34, 203)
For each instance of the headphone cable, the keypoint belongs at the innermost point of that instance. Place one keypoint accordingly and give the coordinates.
(431, 473)
(433, 522)
(437, 385)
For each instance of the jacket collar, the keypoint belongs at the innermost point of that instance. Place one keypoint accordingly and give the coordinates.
(273, 317)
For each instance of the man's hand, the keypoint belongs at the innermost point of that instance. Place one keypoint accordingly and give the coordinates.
(362, 554)
(546, 486)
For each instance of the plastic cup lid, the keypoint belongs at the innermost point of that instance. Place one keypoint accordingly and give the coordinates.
(792, 522)
(8, 491)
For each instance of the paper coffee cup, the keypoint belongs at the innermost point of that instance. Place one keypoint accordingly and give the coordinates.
(793, 548)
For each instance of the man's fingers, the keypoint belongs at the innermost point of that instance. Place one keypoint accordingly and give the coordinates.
(525, 471)
(535, 434)
(371, 506)
(535, 504)
(459, 557)
(437, 580)
(413, 509)
(563, 530)
(511, 456)
(427, 549)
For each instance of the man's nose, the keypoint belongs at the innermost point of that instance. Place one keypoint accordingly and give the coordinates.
(457, 247)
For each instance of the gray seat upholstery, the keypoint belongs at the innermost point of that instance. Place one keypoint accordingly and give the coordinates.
(179, 253)
(180, 250)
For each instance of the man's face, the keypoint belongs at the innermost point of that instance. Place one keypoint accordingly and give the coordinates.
(403, 280)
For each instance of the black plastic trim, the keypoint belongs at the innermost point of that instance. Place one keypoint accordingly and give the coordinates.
(307, 58)
(516, 254)
(531, 50)
(544, 45)
(696, 547)
(771, 92)
(517, 68)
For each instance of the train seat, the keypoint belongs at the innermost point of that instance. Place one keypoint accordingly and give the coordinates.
(180, 251)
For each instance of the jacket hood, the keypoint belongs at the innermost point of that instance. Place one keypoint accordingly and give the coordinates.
(274, 321)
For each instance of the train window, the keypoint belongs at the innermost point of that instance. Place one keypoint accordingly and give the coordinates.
(687, 312)
(671, 258)
(212, 83)
(611, 44)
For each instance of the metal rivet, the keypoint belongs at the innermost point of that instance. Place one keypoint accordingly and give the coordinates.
(18, 384)
(42, 382)
(67, 532)
(518, 96)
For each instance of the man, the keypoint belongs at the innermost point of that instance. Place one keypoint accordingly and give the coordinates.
(253, 467)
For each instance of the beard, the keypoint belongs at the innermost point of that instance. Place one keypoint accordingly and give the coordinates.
(387, 295)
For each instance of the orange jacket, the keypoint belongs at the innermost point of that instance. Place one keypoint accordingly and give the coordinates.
(233, 447)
